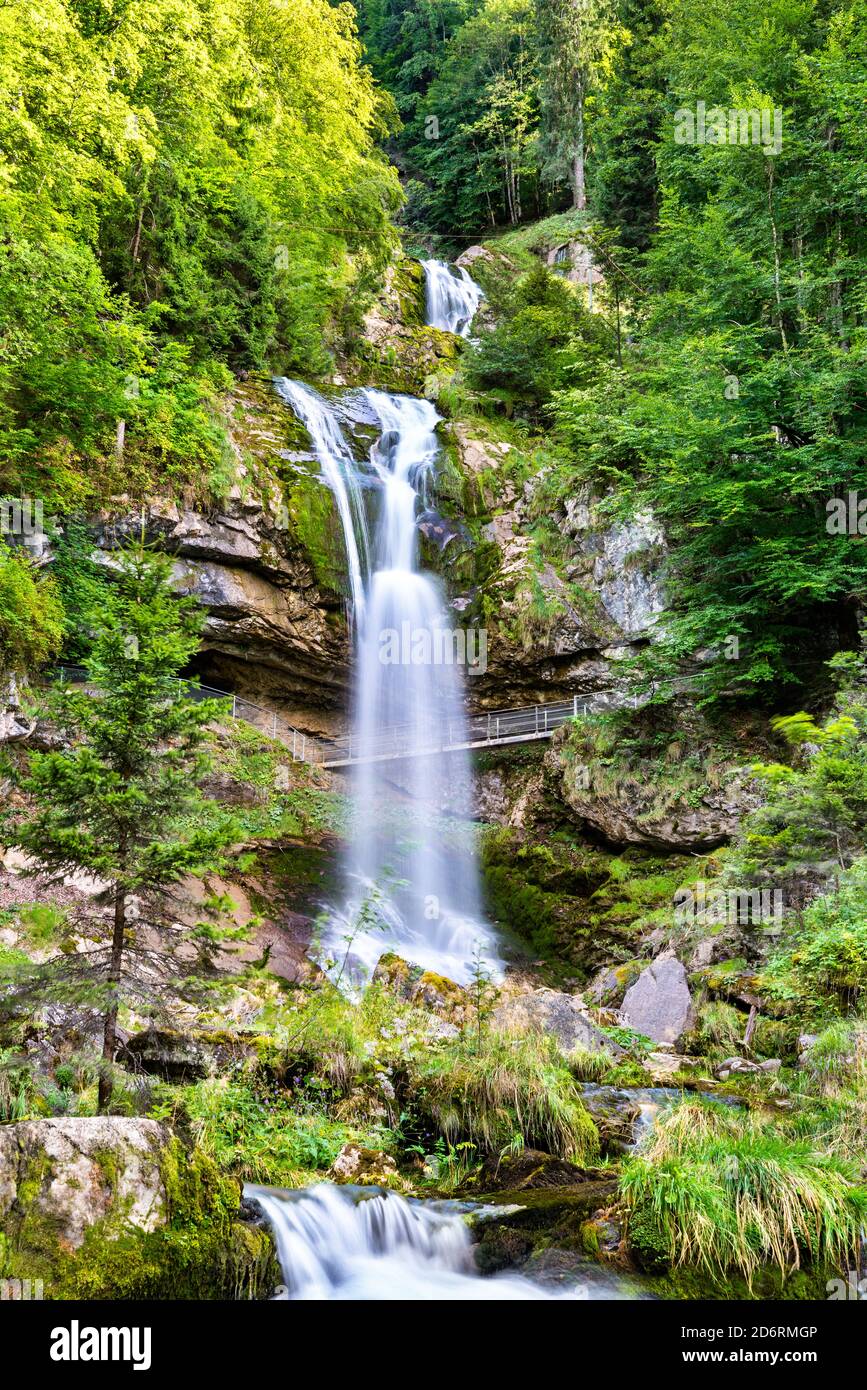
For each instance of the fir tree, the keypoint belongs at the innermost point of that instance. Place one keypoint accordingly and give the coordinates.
(121, 802)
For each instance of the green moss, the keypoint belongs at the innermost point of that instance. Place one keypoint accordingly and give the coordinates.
(408, 285)
(574, 903)
(313, 520)
(190, 1263)
(203, 1252)
(196, 1190)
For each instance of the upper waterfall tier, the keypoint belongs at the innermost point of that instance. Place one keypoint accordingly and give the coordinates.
(452, 297)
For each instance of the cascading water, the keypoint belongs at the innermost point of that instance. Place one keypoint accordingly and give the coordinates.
(364, 1244)
(410, 890)
(452, 297)
(341, 475)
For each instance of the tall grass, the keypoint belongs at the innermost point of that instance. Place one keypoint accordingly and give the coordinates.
(514, 1087)
(722, 1192)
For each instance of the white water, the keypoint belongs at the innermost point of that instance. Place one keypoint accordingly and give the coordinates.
(452, 297)
(408, 892)
(340, 473)
(347, 1243)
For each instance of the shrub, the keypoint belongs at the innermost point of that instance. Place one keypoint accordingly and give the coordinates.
(823, 966)
(515, 1086)
(260, 1135)
(717, 1190)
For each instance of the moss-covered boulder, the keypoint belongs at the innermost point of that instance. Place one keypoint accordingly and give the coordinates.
(424, 988)
(559, 1016)
(368, 1167)
(116, 1207)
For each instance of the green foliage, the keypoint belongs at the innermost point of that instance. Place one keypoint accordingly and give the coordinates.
(81, 583)
(544, 338)
(813, 814)
(735, 416)
(174, 207)
(721, 1191)
(257, 1131)
(822, 968)
(31, 616)
(121, 801)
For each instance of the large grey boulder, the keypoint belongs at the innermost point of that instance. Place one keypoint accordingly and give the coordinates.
(560, 1016)
(72, 1172)
(659, 1004)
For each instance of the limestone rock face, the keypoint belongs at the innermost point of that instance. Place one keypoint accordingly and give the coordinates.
(556, 630)
(659, 1004)
(76, 1171)
(561, 1016)
(632, 812)
(628, 579)
(264, 607)
(15, 724)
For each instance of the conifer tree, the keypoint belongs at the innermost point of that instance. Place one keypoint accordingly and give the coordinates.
(120, 801)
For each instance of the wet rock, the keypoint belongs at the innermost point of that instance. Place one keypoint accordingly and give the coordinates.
(614, 1112)
(553, 1266)
(355, 1164)
(560, 1016)
(605, 1233)
(527, 1171)
(423, 987)
(659, 1004)
(73, 1172)
(500, 1250)
(549, 1221)
(438, 529)
(176, 1056)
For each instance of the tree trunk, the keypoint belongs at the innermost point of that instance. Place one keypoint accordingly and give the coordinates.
(579, 189)
(776, 249)
(109, 1037)
(579, 186)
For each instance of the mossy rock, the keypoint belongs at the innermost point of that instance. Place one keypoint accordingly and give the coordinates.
(408, 286)
(108, 1207)
(208, 1262)
(542, 1219)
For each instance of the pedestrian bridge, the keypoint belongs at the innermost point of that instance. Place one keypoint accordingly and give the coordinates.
(488, 730)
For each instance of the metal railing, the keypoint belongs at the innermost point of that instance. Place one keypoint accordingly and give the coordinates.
(520, 725)
(474, 731)
(302, 747)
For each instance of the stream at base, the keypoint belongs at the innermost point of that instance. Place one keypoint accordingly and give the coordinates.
(369, 1245)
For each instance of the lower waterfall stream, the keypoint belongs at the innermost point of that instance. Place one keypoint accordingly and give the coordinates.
(368, 1245)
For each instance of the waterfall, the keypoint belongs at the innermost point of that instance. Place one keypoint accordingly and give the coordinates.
(341, 475)
(452, 297)
(410, 888)
(366, 1244)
